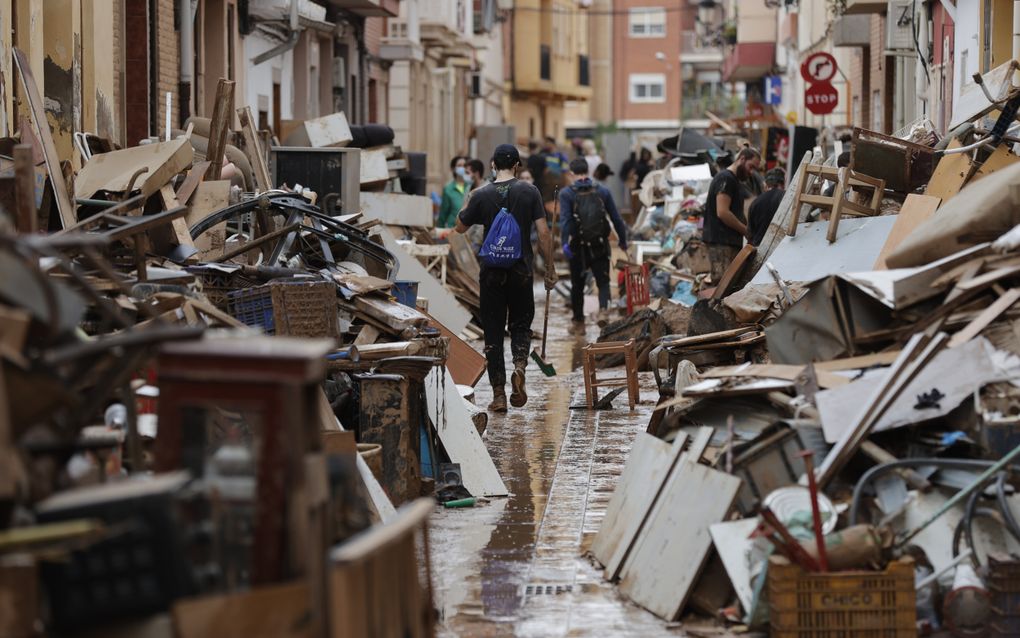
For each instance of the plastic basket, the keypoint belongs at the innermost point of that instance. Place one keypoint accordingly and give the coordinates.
(292, 308)
(1004, 588)
(855, 604)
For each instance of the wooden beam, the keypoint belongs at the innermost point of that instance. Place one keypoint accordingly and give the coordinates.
(253, 148)
(24, 189)
(218, 128)
(178, 225)
(65, 208)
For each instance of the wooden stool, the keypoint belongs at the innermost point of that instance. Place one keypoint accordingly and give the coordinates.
(592, 383)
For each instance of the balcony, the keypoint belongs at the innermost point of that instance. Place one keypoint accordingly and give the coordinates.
(399, 44)
(724, 106)
(446, 23)
(749, 61)
(369, 8)
(851, 31)
(859, 7)
(695, 52)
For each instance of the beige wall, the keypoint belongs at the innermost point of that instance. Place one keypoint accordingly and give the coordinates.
(756, 22)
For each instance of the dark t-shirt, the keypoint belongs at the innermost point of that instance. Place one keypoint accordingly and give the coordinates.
(522, 200)
(761, 212)
(716, 232)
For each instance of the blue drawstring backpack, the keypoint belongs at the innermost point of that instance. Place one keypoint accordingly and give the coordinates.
(502, 245)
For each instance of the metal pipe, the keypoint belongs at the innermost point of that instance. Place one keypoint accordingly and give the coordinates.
(927, 582)
(288, 44)
(962, 494)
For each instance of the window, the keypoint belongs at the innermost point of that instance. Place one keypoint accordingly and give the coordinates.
(647, 22)
(648, 87)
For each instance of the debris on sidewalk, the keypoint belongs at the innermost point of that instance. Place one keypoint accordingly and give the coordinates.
(887, 348)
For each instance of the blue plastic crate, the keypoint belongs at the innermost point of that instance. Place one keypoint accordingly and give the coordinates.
(253, 307)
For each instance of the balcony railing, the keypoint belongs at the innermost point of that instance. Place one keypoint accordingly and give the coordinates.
(545, 62)
(691, 42)
(695, 107)
(583, 70)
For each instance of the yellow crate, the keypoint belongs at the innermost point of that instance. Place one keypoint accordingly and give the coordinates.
(855, 604)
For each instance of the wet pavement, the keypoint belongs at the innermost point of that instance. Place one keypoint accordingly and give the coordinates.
(515, 566)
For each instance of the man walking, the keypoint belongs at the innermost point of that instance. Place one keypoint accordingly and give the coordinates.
(585, 212)
(453, 193)
(507, 298)
(725, 224)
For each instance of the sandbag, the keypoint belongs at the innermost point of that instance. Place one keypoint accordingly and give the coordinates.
(980, 212)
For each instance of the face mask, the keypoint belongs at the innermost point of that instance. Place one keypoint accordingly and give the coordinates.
(468, 179)
(461, 172)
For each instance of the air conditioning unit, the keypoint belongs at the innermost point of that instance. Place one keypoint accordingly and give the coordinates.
(475, 84)
(899, 25)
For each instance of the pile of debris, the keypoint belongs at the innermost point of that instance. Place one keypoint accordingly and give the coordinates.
(875, 331)
(214, 388)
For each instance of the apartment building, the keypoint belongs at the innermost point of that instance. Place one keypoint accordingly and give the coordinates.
(548, 65)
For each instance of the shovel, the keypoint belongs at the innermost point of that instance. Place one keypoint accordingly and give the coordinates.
(546, 368)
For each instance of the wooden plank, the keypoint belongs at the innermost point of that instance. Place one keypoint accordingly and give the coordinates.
(367, 335)
(651, 460)
(733, 271)
(988, 278)
(466, 365)
(671, 550)
(26, 217)
(191, 182)
(179, 225)
(951, 174)
(253, 149)
(990, 314)
(733, 544)
(40, 126)
(459, 436)
(272, 610)
(219, 124)
(916, 210)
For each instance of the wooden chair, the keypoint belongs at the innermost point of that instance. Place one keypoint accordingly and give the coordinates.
(591, 381)
(839, 203)
(638, 295)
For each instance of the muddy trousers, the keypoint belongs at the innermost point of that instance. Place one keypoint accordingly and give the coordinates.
(579, 267)
(507, 300)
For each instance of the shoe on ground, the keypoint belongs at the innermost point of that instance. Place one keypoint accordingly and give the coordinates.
(518, 395)
(498, 403)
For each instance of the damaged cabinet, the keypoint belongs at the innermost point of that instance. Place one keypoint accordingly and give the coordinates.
(391, 417)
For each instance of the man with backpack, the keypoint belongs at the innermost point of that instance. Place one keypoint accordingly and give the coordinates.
(508, 208)
(585, 212)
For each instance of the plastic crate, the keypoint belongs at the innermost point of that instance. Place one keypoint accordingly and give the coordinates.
(854, 604)
(1003, 583)
(292, 308)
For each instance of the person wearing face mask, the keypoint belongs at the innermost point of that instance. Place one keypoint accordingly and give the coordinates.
(725, 224)
(453, 193)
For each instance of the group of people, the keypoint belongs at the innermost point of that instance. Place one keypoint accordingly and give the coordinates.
(509, 208)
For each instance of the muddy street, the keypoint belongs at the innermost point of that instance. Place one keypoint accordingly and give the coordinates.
(515, 566)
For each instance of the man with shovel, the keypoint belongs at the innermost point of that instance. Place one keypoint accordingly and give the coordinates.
(508, 208)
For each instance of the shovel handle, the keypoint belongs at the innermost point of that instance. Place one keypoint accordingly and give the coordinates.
(545, 322)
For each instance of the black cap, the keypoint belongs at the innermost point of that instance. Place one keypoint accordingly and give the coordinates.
(506, 153)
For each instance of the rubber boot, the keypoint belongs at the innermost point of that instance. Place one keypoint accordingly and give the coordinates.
(498, 403)
(518, 396)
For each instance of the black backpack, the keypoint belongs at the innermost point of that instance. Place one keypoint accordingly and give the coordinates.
(590, 219)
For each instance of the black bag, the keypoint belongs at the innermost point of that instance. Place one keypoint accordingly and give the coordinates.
(590, 220)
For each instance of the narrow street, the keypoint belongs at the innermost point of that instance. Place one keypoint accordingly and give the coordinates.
(515, 566)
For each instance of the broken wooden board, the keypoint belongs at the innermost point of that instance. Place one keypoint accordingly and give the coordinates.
(40, 126)
(397, 209)
(651, 460)
(146, 168)
(956, 372)
(459, 437)
(951, 174)
(466, 365)
(209, 197)
(981, 212)
(987, 316)
(269, 610)
(1000, 158)
(809, 256)
(972, 102)
(733, 545)
(253, 149)
(916, 210)
(442, 304)
(328, 130)
(774, 371)
(671, 550)
(374, 168)
(393, 314)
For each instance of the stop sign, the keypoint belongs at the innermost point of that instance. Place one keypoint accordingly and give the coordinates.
(821, 98)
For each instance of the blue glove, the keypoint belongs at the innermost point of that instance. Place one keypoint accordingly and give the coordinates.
(569, 254)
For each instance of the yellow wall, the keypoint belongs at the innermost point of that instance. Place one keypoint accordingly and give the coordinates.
(524, 111)
(1002, 31)
(560, 25)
